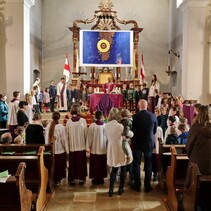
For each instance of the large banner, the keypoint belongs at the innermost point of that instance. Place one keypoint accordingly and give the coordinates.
(106, 48)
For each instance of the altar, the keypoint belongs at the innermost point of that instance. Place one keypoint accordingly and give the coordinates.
(104, 102)
(105, 50)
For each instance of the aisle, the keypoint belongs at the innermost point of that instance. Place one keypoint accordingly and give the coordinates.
(91, 197)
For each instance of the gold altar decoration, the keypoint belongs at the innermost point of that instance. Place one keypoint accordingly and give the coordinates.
(106, 19)
(104, 44)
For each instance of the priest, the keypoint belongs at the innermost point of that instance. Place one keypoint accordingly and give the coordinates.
(109, 86)
(62, 95)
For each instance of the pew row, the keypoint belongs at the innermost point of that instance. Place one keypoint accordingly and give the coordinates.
(14, 195)
(30, 150)
(36, 174)
(175, 179)
(165, 160)
(198, 194)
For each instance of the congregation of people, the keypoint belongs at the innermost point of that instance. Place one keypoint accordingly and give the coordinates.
(119, 141)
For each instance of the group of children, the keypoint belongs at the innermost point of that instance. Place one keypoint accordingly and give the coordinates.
(172, 121)
(131, 95)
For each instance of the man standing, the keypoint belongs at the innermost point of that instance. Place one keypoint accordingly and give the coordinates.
(144, 127)
(62, 95)
(52, 94)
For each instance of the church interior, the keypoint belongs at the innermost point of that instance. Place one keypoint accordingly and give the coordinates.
(46, 39)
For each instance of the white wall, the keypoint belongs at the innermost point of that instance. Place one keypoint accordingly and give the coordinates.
(152, 15)
(190, 35)
(36, 38)
(14, 46)
(2, 49)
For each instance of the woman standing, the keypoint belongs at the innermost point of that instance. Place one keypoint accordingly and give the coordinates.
(3, 111)
(154, 86)
(198, 143)
(115, 155)
(76, 131)
(56, 134)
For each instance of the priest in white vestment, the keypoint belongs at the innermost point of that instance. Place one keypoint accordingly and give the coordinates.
(62, 95)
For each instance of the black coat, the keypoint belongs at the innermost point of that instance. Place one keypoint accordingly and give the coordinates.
(144, 127)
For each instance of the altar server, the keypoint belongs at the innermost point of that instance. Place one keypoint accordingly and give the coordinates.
(77, 131)
(96, 143)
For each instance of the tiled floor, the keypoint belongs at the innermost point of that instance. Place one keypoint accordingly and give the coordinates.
(95, 198)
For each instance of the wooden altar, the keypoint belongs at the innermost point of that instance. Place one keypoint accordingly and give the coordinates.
(105, 19)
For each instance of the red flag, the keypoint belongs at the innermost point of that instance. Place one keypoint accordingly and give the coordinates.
(142, 71)
(66, 71)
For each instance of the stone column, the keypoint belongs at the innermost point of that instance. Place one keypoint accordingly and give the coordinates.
(16, 44)
(193, 39)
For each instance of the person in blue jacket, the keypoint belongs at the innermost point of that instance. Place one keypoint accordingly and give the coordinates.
(3, 111)
(182, 138)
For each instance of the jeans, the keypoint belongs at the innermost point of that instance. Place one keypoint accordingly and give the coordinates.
(137, 154)
(52, 102)
(113, 176)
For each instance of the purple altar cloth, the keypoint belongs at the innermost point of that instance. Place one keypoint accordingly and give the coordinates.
(188, 111)
(105, 102)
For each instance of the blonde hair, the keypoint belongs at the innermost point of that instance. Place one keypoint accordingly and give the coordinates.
(114, 114)
(125, 113)
(173, 130)
(28, 98)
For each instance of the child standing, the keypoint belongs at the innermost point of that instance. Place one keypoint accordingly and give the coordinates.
(156, 154)
(126, 121)
(131, 97)
(97, 143)
(137, 97)
(182, 138)
(46, 99)
(77, 131)
(55, 134)
(172, 136)
(84, 93)
(124, 95)
(40, 99)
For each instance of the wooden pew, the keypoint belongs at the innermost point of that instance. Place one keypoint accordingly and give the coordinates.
(41, 199)
(36, 174)
(165, 159)
(199, 191)
(25, 149)
(175, 179)
(14, 195)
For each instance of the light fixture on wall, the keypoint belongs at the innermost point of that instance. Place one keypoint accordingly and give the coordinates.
(169, 70)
